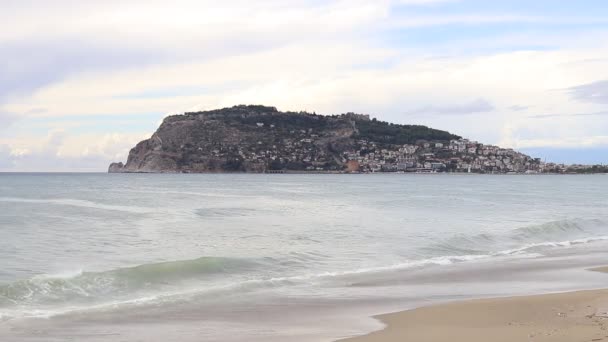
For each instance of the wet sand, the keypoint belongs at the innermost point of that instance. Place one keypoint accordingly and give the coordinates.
(564, 317)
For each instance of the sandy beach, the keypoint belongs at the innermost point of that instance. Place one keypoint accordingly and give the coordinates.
(562, 317)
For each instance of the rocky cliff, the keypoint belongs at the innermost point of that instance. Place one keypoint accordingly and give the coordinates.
(262, 139)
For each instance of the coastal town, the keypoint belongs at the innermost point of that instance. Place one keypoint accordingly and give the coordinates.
(424, 157)
(457, 155)
(300, 150)
(461, 155)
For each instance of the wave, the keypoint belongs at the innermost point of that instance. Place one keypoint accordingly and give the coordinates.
(567, 243)
(562, 233)
(210, 276)
(51, 295)
(91, 286)
(81, 204)
(559, 228)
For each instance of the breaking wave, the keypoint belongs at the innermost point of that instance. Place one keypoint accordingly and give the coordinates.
(563, 233)
(121, 282)
(174, 279)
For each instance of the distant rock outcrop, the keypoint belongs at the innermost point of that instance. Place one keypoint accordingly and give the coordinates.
(261, 139)
(116, 167)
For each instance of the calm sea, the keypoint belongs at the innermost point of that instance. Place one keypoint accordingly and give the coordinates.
(134, 257)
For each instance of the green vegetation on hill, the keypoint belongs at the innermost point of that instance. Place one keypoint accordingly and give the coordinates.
(382, 132)
(289, 120)
(394, 134)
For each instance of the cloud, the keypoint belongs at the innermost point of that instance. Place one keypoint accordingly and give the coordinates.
(595, 92)
(335, 78)
(7, 119)
(559, 132)
(47, 45)
(549, 116)
(23, 71)
(518, 108)
(421, 2)
(189, 23)
(418, 21)
(479, 19)
(5, 157)
(60, 151)
(565, 142)
(473, 107)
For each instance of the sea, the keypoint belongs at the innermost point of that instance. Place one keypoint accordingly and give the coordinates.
(281, 257)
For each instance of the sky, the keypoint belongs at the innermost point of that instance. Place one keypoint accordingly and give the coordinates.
(81, 82)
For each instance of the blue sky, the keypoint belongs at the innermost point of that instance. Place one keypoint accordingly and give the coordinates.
(82, 82)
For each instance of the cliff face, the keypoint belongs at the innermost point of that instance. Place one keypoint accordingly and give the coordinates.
(260, 139)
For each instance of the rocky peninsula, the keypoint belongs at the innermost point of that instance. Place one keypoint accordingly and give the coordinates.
(262, 139)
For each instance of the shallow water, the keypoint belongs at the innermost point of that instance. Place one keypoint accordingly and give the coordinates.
(107, 257)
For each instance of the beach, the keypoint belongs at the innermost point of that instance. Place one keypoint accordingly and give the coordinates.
(561, 317)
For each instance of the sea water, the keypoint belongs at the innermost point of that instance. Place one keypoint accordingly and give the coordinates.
(234, 257)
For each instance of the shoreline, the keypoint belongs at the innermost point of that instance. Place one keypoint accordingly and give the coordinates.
(560, 317)
(331, 173)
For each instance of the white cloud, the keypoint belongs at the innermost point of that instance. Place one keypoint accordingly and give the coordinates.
(6, 119)
(60, 151)
(462, 19)
(565, 142)
(596, 92)
(347, 77)
(473, 107)
(185, 20)
(106, 58)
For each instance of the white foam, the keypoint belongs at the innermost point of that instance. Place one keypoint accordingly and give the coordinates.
(552, 244)
(68, 274)
(81, 204)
